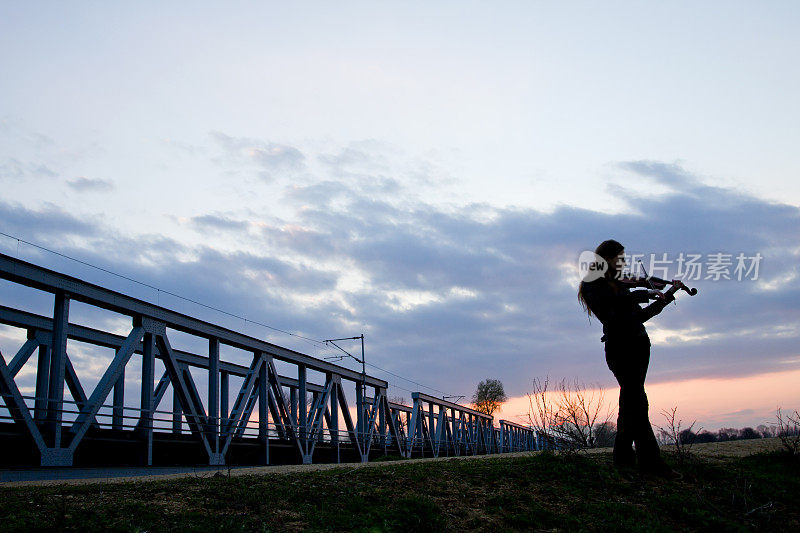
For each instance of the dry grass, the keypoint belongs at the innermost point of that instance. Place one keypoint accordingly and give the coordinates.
(514, 492)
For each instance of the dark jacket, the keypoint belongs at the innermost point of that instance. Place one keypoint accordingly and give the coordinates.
(619, 311)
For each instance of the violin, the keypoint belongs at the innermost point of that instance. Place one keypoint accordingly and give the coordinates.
(652, 282)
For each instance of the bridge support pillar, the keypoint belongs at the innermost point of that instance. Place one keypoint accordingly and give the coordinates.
(57, 457)
(333, 423)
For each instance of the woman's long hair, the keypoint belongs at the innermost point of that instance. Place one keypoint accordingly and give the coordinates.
(608, 250)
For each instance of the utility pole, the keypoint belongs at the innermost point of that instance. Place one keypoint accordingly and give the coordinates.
(363, 396)
(348, 354)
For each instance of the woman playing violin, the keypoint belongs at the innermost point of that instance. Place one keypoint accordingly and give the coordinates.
(627, 350)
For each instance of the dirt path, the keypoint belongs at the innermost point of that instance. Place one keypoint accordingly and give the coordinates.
(249, 471)
(719, 450)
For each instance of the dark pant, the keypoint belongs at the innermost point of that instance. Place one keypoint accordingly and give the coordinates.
(628, 360)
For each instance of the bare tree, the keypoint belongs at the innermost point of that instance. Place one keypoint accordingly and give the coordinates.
(542, 411)
(489, 396)
(749, 433)
(572, 417)
(581, 413)
(401, 420)
(399, 400)
(766, 431)
(704, 436)
(605, 434)
(726, 434)
(681, 439)
(788, 430)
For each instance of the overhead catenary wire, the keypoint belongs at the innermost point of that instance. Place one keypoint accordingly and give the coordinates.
(393, 384)
(401, 388)
(408, 380)
(159, 290)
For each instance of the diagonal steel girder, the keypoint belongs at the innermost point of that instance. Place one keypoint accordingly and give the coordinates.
(278, 402)
(22, 356)
(35, 339)
(249, 405)
(450, 430)
(284, 432)
(194, 395)
(231, 424)
(391, 421)
(247, 396)
(439, 431)
(103, 388)
(418, 429)
(401, 430)
(372, 415)
(317, 415)
(16, 404)
(348, 420)
(180, 383)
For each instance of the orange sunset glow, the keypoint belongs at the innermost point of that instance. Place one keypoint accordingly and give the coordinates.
(713, 403)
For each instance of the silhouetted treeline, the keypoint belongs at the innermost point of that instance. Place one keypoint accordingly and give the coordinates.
(603, 435)
(726, 434)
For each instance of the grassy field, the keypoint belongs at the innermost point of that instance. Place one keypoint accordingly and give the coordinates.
(543, 492)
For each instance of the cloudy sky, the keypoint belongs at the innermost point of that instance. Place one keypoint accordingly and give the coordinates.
(426, 175)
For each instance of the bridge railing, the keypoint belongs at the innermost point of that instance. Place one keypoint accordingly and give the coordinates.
(516, 438)
(214, 425)
(267, 405)
(438, 427)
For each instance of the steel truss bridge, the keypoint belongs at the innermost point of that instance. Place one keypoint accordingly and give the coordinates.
(274, 418)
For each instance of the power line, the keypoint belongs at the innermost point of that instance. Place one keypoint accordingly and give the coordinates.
(406, 379)
(142, 283)
(401, 388)
(393, 374)
(211, 307)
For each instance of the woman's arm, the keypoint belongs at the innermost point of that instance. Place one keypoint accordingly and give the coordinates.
(643, 296)
(654, 308)
(620, 310)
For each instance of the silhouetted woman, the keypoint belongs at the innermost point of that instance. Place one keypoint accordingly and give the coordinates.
(627, 348)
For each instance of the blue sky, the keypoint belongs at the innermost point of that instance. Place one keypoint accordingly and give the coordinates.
(424, 174)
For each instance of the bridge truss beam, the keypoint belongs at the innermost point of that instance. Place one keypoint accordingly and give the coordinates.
(58, 426)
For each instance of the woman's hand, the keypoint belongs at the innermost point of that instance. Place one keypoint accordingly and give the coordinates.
(676, 286)
(655, 295)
